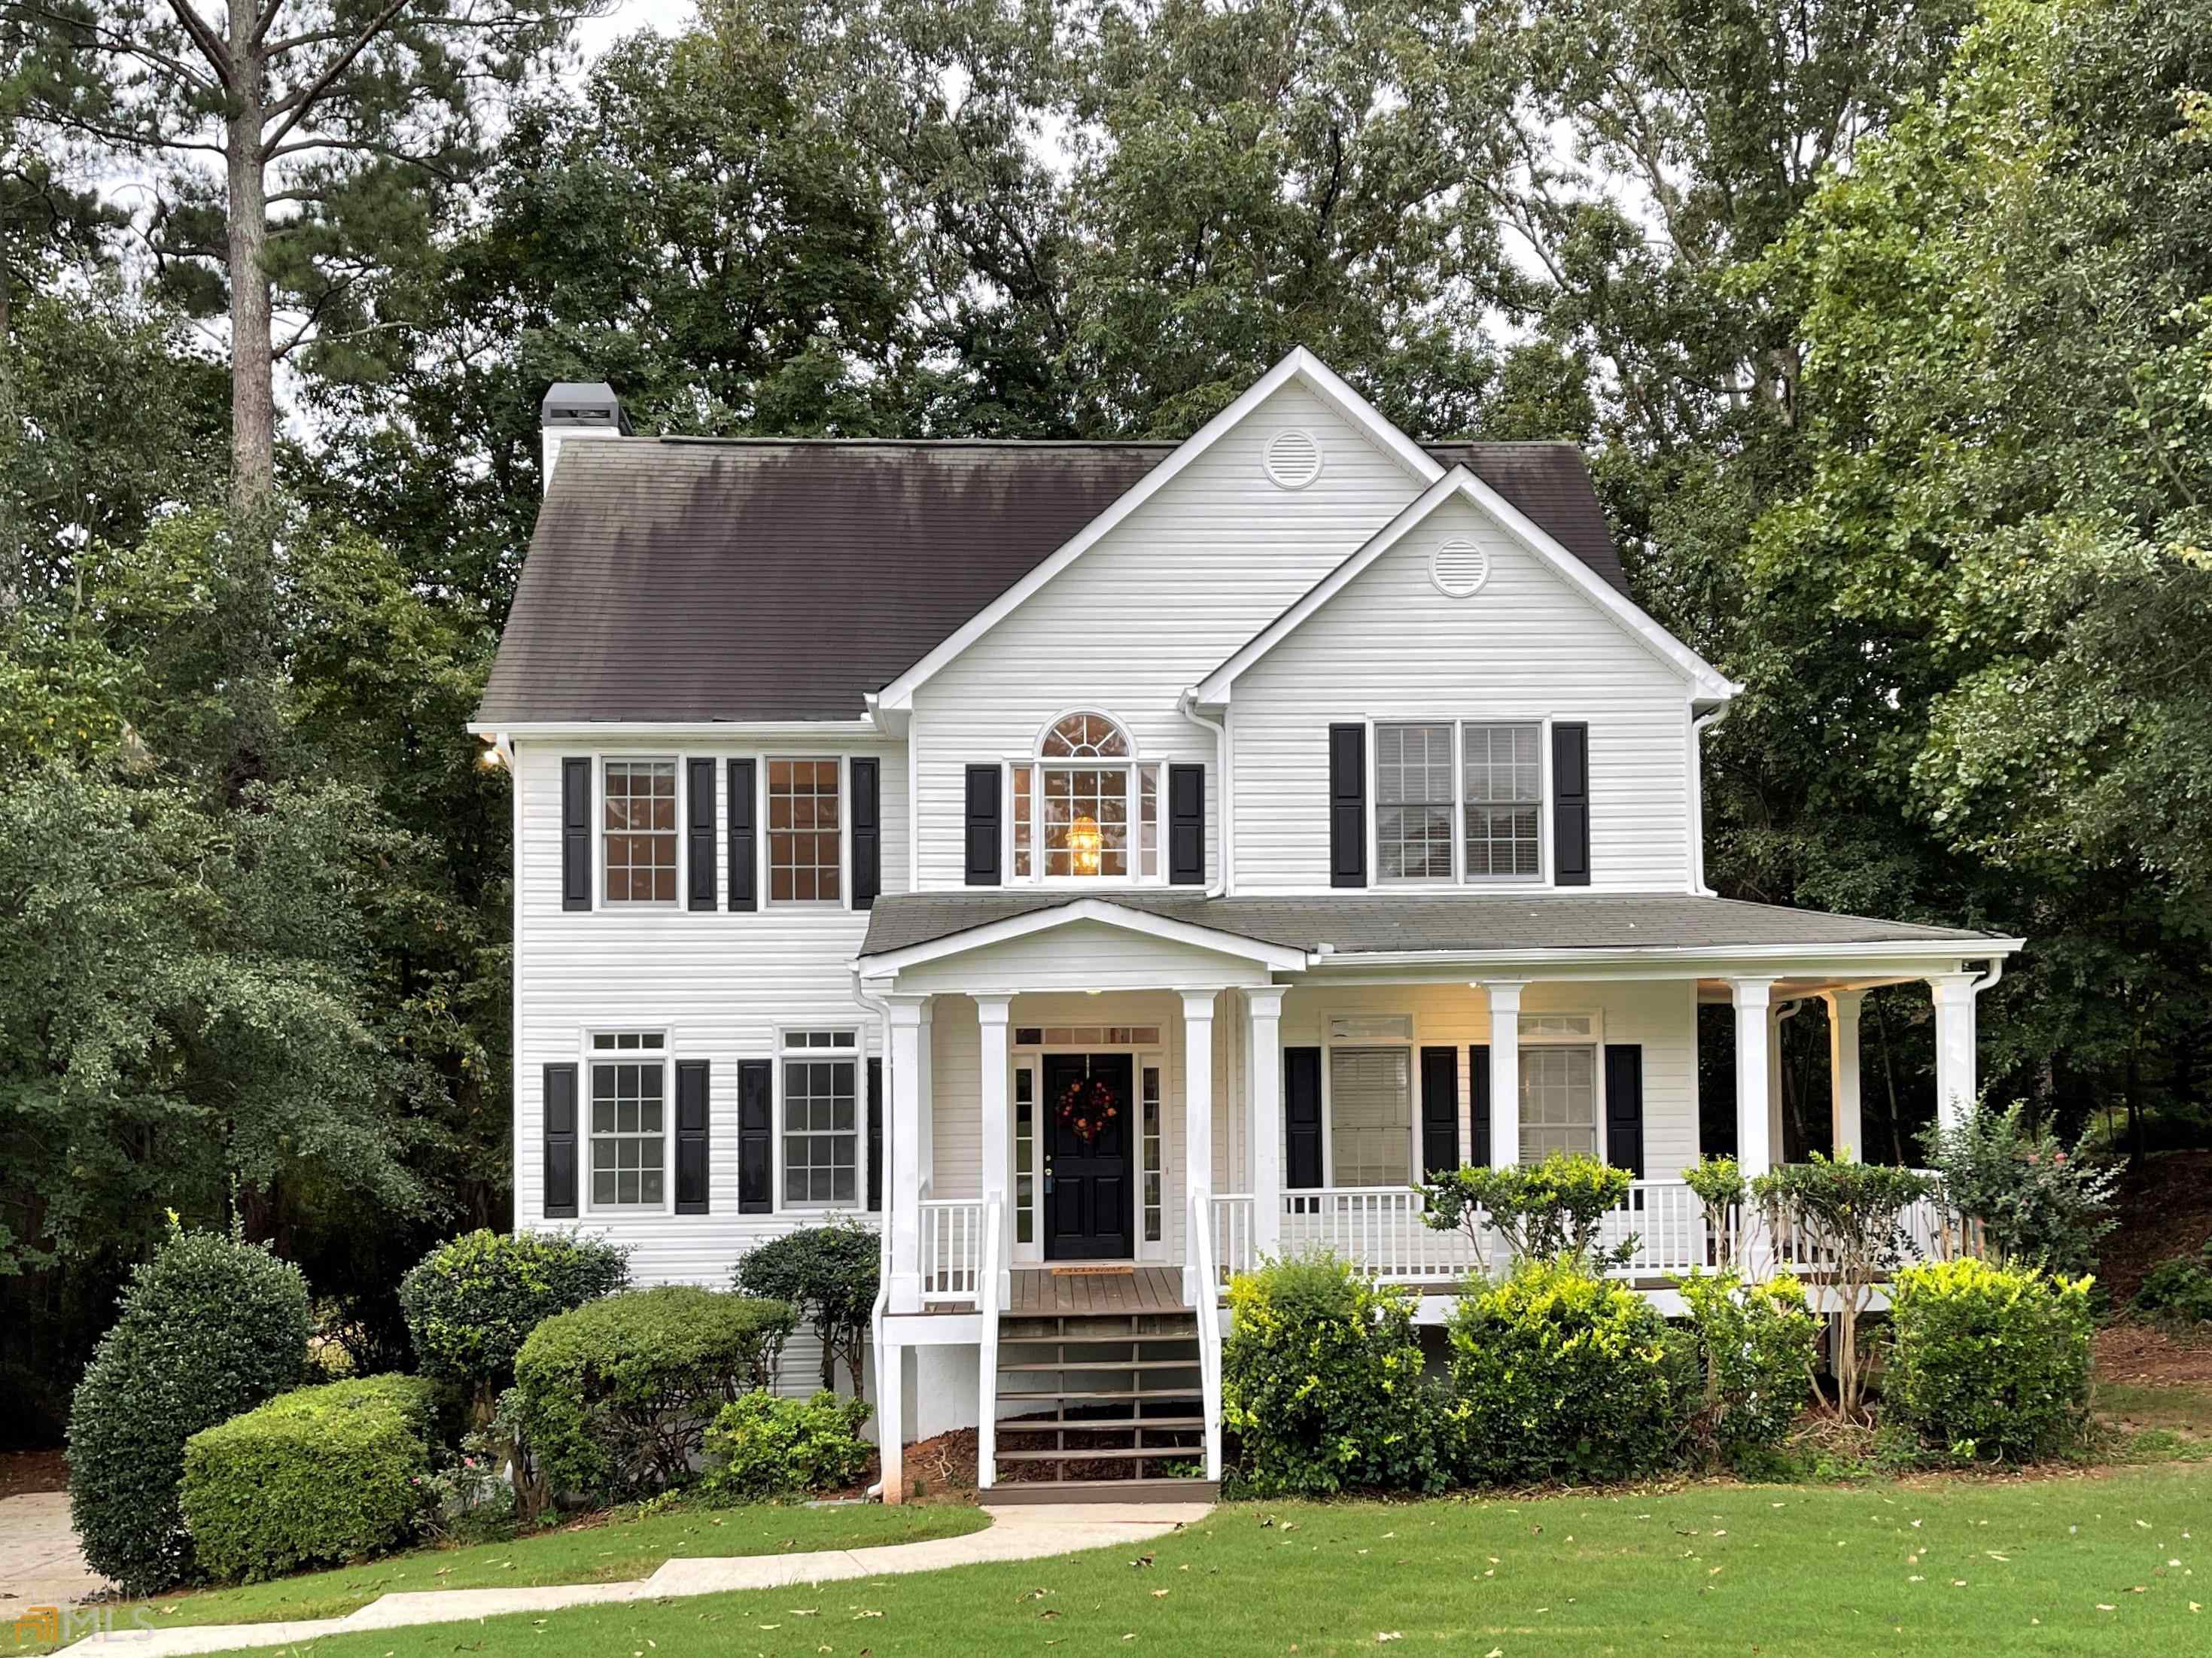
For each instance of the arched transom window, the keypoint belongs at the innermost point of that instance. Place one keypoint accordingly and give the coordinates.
(1085, 809)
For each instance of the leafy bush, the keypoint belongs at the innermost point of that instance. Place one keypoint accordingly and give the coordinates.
(470, 1303)
(1853, 1213)
(317, 1477)
(614, 1397)
(1552, 1211)
(210, 1327)
(2178, 1291)
(2038, 1202)
(761, 1446)
(1561, 1375)
(830, 1274)
(1320, 1381)
(1756, 1347)
(1721, 1190)
(1989, 1363)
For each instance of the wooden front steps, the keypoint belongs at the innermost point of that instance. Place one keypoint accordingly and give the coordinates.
(1101, 1405)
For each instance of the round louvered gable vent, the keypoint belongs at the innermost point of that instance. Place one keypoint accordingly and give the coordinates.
(1293, 459)
(1459, 568)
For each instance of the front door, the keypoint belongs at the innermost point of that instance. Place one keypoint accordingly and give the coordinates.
(1089, 1105)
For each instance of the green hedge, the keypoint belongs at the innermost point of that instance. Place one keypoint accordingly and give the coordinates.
(1561, 1375)
(470, 1304)
(762, 1447)
(1987, 1362)
(210, 1327)
(1756, 1343)
(613, 1399)
(317, 1477)
(1321, 1383)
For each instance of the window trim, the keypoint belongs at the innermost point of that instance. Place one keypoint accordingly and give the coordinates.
(1542, 880)
(857, 1054)
(588, 1203)
(1409, 1045)
(1595, 1042)
(764, 844)
(600, 832)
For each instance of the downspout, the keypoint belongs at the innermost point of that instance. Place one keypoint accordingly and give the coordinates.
(1697, 800)
(1187, 704)
(883, 1012)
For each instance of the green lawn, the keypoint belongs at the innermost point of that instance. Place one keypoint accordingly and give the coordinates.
(1967, 1567)
(610, 1552)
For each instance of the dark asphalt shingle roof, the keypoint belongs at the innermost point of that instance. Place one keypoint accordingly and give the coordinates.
(1457, 921)
(688, 579)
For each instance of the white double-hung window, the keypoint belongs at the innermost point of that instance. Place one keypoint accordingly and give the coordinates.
(1459, 800)
(1559, 1086)
(1371, 1100)
(820, 1118)
(1085, 808)
(629, 1119)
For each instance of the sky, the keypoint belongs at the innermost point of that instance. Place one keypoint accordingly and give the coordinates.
(595, 35)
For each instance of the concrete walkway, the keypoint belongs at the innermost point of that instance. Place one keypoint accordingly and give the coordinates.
(41, 1564)
(1017, 1532)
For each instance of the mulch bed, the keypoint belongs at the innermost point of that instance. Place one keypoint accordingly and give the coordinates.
(23, 1472)
(2167, 1209)
(2145, 1353)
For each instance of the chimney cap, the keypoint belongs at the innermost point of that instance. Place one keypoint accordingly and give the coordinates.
(585, 403)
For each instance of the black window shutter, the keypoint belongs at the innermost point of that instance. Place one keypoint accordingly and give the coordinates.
(1624, 1107)
(868, 832)
(1439, 1111)
(1301, 1117)
(1571, 859)
(984, 826)
(744, 860)
(875, 1135)
(575, 835)
(756, 1137)
(560, 1132)
(1187, 826)
(691, 1096)
(699, 790)
(1482, 1153)
(1347, 805)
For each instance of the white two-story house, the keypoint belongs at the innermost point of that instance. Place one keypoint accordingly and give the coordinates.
(1102, 864)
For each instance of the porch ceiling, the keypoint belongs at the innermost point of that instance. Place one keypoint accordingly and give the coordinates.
(1341, 930)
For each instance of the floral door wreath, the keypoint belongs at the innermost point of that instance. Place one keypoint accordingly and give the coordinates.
(1086, 1106)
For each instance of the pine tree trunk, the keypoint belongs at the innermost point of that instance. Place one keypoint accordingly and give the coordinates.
(252, 373)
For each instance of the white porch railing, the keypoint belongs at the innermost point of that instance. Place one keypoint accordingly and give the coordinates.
(951, 1248)
(1668, 1224)
(1378, 1227)
(1233, 1250)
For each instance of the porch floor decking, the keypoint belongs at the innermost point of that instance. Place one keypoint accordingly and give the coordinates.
(1040, 1292)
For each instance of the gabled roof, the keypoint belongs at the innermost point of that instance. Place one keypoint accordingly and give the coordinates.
(1470, 923)
(1706, 682)
(689, 580)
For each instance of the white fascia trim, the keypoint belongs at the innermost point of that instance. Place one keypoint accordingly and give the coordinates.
(1300, 364)
(1946, 950)
(1706, 681)
(1279, 958)
(648, 729)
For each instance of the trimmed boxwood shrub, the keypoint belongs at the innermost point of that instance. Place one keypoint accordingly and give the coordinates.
(470, 1304)
(1755, 1348)
(1561, 1375)
(1321, 1384)
(1986, 1362)
(614, 1397)
(210, 1327)
(317, 1477)
(761, 1447)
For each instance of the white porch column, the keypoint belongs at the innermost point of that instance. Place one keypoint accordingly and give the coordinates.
(1777, 1016)
(1505, 1068)
(1197, 1118)
(1754, 1030)
(906, 1124)
(926, 1155)
(1845, 1134)
(1263, 1062)
(1956, 1086)
(890, 1420)
(994, 1066)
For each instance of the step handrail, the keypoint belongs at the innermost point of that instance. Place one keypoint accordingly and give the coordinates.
(1209, 1324)
(987, 1304)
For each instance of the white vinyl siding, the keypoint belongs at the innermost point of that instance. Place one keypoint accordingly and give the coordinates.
(1529, 648)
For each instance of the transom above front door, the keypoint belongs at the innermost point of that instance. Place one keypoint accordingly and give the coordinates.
(1090, 1188)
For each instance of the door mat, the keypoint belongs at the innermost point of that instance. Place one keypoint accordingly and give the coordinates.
(1093, 1272)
